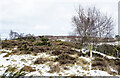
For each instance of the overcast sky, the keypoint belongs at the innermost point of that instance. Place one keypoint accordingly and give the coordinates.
(47, 17)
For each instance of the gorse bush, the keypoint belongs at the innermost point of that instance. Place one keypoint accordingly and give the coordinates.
(42, 43)
(111, 50)
(29, 38)
(38, 43)
(40, 36)
(44, 39)
(32, 39)
(31, 49)
(24, 47)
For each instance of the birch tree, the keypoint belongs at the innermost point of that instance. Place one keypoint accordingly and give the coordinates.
(91, 25)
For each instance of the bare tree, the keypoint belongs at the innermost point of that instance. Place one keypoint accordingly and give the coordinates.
(13, 35)
(21, 35)
(92, 25)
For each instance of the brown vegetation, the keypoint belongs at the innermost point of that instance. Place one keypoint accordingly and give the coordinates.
(41, 60)
(65, 59)
(28, 69)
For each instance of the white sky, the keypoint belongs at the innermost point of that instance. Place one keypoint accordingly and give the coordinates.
(48, 17)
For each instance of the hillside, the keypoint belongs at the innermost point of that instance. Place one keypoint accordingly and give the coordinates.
(31, 57)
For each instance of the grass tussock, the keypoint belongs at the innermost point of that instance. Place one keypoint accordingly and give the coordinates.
(54, 68)
(65, 59)
(41, 60)
(28, 69)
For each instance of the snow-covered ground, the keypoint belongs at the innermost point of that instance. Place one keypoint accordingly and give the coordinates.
(19, 61)
(104, 55)
(110, 43)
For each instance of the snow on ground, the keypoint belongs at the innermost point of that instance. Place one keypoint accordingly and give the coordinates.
(6, 50)
(42, 69)
(110, 43)
(113, 70)
(85, 51)
(20, 61)
(87, 59)
(109, 57)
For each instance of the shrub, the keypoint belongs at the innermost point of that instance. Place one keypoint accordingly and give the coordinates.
(40, 36)
(44, 39)
(56, 52)
(42, 43)
(58, 41)
(98, 59)
(28, 69)
(48, 43)
(54, 68)
(109, 49)
(81, 54)
(31, 49)
(62, 62)
(5, 44)
(40, 61)
(98, 63)
(66, 44)
(65, 59)
(25, 46)
(97, 55)
(38, 43)
(21, 49)
(78, 45)
(30, 38)
(84, 61)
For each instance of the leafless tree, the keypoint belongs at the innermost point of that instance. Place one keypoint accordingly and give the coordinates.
(13, 35)
(92, 25)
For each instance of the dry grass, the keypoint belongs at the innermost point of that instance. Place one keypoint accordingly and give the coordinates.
(83, 63)
(24, 60)
(82, 60)
(13, 60)
(28, 69)
(7, 55)
(54, 68)
(41, 60)
(65, 59)
(11, 69)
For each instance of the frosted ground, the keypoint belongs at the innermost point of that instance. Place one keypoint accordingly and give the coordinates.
(42, 69)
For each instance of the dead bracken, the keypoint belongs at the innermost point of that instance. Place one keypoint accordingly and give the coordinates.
(54, 68)
(65, 59)
(28, 69)
(41, 60)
